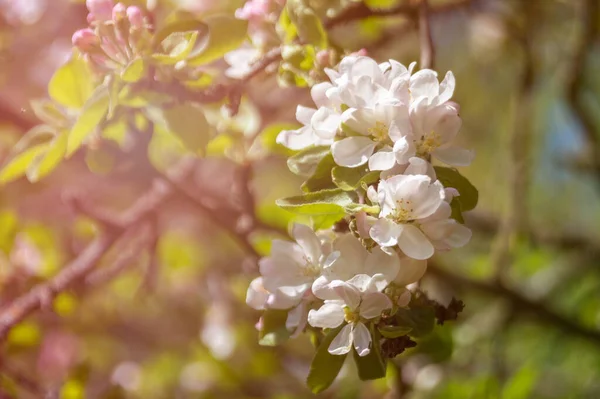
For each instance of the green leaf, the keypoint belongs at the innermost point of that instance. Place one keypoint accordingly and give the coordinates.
(450, 177)
(48, 112)
(349, 179)
(180, 22)
(420, 318)
(225, 33)
(371, 366)
(51, 159)
(185, 121)
(305, 161)
(321, 179)
(522, 383)
(176, 47)
(286, 28)
(134, 71)
(325, 366)
(456, 214)
(91, 116)
(324, 202)
(309, 26)
(394, 331)
(72, 84)
(17, 167)
(323, 222)
(274, 331)
(39, 134)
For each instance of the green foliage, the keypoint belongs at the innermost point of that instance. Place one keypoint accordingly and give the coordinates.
(308, 25)
(305, 161)
(72, 84)
(17, 167)
(92, 114)
(394, 331)
(467, 200)
(522, 383)
(225, 33)
(186, 122)
(349, 179)
(273, 331)
(134, 71)
(324, 202)
(420, 318)
(321, 178)
(46, 163)
(373, 365)
(176, 47)
(325, 366)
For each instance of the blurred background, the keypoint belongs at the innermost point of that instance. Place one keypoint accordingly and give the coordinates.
(173, 323)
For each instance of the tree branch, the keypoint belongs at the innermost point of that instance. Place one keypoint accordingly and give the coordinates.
(520, 303)
(427, 48)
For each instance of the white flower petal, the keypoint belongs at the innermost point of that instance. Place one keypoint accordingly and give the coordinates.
(414, 243)
(361, 338)
(330, 315)
(342, 343)
(319, 94)
(297, 139)
(374, 304)
(257, 295)
(424, 83)
(352, 151)
(404, 149)
(447, 88)
(379, 262)
(308, 240)
(304, 114)
(411, 270)
(347, 293)
(385, 232)
(382, 160)
(325, 122)
(454, 156)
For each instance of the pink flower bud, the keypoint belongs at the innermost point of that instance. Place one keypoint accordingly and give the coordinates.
(85, 40)
(360, 53)
(135, 16)
(91, 18)
(323, 58)
(101, 9)
(119, 12)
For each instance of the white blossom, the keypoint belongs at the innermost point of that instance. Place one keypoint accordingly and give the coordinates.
(405, 200)
(320, 125)
(354, 302)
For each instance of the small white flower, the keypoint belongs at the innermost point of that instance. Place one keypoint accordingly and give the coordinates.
(424, 84)
(379, 128)
(434, 129)
(405, 200)
(356, 301)
(290, 271)
(240, 62)
(320, 125)
(443, 232)
(354, 259)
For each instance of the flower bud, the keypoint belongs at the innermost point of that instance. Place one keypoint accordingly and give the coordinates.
(85, 40)
(135, 16)
(91, 18)
(323, 58)
(119, 12)
(101, 9)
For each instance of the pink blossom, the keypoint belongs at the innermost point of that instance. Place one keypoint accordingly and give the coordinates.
(85, 40)
(254, 9)
(101, 9)
(135, 16)
(119, 11)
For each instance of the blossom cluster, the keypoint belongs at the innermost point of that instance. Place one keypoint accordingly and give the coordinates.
(386, 119)
(117, 33)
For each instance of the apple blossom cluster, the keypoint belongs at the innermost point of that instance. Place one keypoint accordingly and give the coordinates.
(117, 34)
(387, 120)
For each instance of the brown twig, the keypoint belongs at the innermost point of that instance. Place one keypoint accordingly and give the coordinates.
(425, 38)
(42, 294)
(520, 303)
